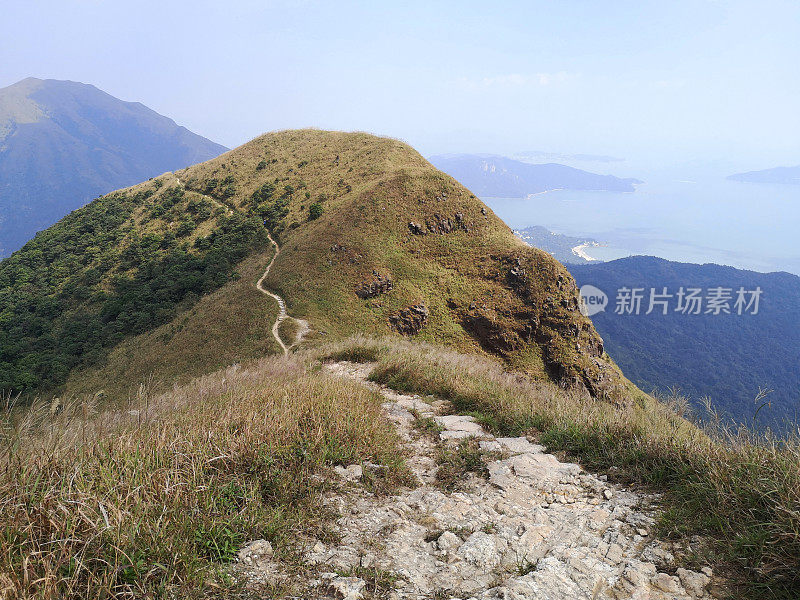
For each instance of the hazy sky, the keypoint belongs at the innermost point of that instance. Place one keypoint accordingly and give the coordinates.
(675, 78)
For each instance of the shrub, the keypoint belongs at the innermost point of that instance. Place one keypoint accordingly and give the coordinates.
(315, 211)
(185, 228)
(263, 194)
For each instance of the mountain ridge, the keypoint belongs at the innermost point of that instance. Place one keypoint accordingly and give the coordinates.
(63, 143)
(728, 358)
(351, 211)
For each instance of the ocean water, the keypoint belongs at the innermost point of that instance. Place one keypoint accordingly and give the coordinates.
(692, 219)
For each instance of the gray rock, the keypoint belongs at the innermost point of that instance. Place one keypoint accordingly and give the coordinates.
(694, 583)
(256, 552)
(350, 473)
(481, 550)
(348, 588)
(519, 445)
(448, 542)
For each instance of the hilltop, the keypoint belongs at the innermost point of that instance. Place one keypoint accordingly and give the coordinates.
(493, 176)
(63, 143)
(157, 282)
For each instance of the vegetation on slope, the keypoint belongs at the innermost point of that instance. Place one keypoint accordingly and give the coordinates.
(743, 491)
(154, 503)
(374, 239)
(120, 266)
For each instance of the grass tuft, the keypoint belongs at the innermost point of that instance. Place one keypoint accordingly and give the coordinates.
(455, 463)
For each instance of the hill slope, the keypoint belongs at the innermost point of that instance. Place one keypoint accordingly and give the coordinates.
(501, 177)
(63, 143)
(374, 239)
(727, 357)
(775, 175)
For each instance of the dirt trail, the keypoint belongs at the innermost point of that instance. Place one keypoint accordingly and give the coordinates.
(302, 325)
(281, 304)
(533, 528)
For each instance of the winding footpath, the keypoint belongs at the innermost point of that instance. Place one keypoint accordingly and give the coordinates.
(302, 325)
(281, 304)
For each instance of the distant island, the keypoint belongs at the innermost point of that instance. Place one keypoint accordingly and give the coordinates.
(564, 248)
(488, 175)
(790, 175)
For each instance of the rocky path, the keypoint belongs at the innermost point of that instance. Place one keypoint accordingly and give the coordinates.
(537, 528)
(302, 325)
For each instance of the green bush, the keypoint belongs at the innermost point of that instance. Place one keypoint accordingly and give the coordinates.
(315, 211)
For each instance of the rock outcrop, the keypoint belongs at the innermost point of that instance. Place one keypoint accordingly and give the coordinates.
(375, 287)
(409, 321)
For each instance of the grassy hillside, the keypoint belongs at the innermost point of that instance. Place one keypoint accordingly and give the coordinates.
(352, 212)
(155, 499)
(120, 266)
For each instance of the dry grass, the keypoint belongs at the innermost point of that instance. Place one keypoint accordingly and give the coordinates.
(742, 491)
(153, 503)
(456, 463)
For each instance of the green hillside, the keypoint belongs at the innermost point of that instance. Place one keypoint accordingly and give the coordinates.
(126, 288)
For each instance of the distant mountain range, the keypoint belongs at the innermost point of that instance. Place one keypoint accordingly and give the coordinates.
(488, 175)
(63, 143)
(789, 175)
(537, 155)
(726, 357)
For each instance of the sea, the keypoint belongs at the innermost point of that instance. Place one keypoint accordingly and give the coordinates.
(686, 215)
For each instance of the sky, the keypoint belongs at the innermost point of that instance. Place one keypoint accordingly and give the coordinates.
(713, 80)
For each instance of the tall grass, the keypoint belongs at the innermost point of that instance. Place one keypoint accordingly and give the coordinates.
(741, 490)
(153, 501)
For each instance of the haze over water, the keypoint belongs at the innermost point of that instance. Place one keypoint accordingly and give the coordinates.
(683, 214)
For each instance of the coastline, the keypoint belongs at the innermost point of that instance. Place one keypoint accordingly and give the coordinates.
(580, 251)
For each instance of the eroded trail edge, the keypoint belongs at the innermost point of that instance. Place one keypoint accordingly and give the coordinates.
(530, 527)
